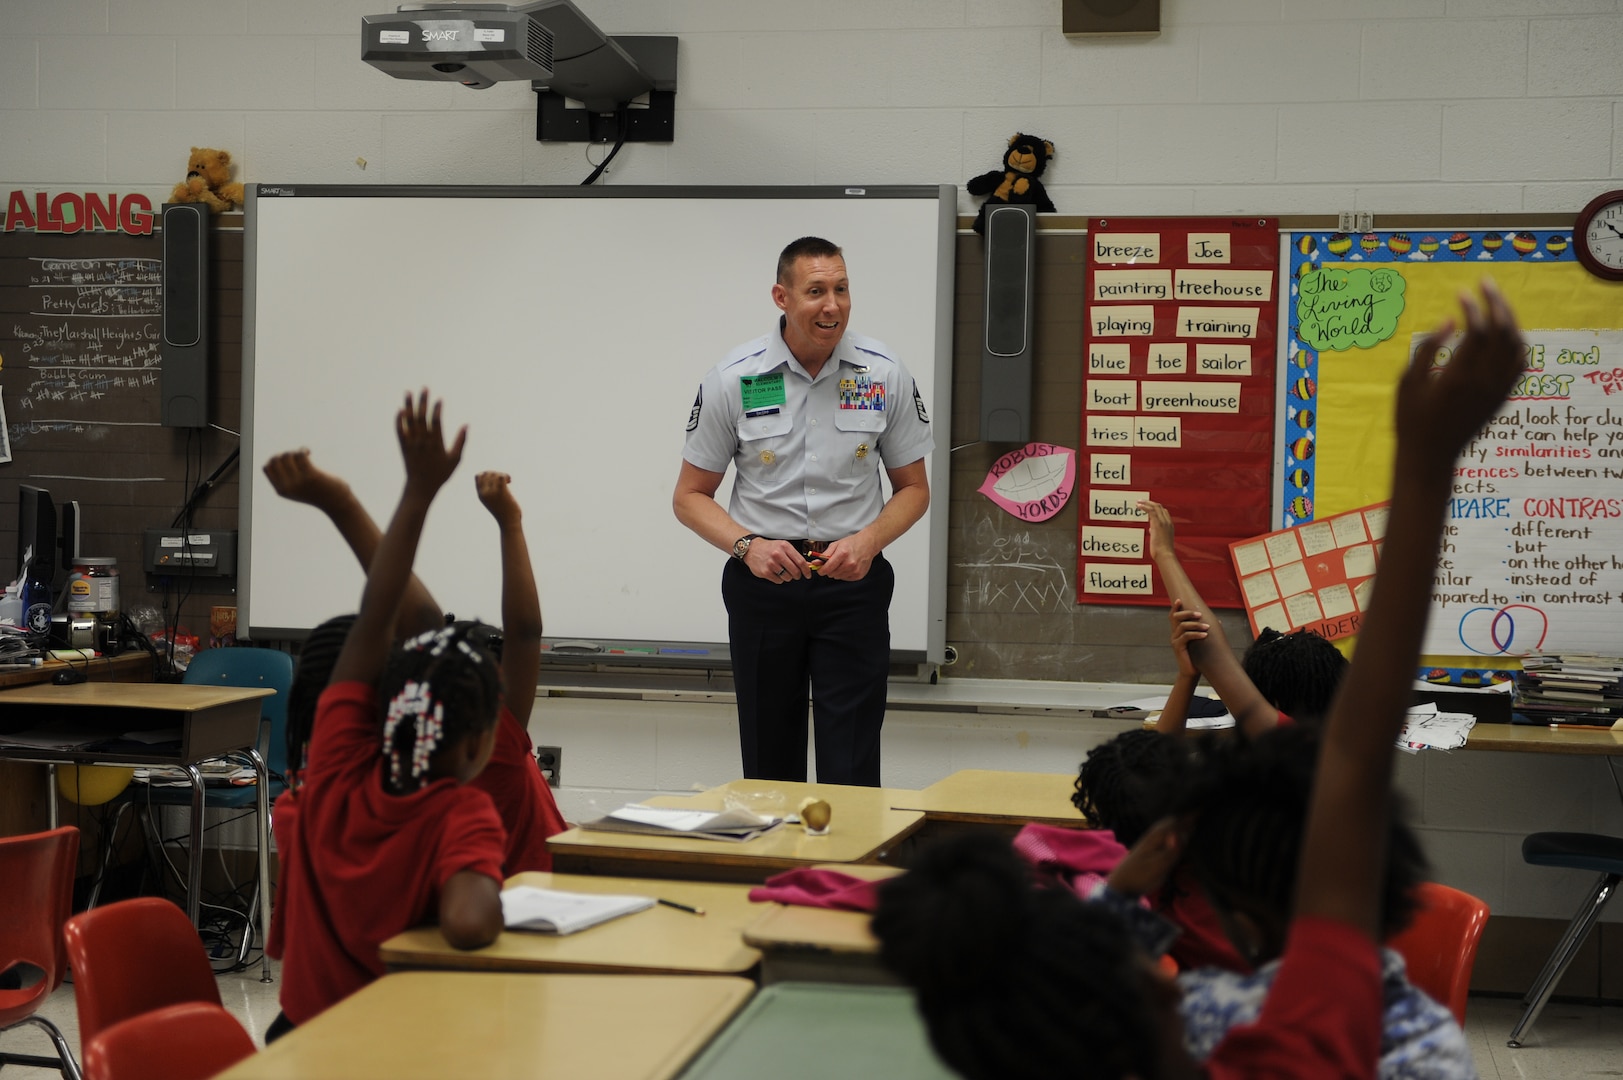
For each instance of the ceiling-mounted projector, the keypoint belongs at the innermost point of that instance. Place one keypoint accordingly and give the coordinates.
(548, 43)
(477, 45)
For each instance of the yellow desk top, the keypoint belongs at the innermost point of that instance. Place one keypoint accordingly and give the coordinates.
(793, 928)
(171, 697)
(1533, 739)
(499, 1025)
(985, 797)
(863, 826)
(659, 941)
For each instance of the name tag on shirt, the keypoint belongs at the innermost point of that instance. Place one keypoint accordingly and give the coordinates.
(762, 395)
(861, 392)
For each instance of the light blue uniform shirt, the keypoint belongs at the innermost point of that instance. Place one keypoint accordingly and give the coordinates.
(809, 452)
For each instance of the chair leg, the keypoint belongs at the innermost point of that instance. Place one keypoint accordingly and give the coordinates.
(64, 1062)
(1577, 931)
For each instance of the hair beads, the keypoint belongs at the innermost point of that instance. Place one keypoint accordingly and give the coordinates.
(428, 720)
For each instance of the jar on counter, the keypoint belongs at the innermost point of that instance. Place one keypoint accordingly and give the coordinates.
(93, 587)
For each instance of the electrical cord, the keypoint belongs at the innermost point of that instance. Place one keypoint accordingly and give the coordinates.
(621, 123)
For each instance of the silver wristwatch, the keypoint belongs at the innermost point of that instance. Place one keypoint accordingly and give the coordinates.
(741, 546)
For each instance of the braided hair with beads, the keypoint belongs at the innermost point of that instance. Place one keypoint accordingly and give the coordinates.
(439, 688)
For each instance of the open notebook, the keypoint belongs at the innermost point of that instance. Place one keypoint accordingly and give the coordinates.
(551, 911)
(734, 824)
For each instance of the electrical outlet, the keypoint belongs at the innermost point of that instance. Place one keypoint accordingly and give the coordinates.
(551, 760)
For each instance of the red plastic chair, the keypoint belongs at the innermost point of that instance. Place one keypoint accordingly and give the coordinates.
(35, 900)
(1439, 947)
(192, 1041)
(133, 957)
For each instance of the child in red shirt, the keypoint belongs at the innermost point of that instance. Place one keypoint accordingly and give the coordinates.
(513, 780)
(1014, 981)
(389, 833)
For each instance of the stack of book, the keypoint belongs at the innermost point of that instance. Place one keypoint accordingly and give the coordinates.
(1571, 688)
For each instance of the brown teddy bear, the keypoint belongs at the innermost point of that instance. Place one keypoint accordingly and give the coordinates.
(208, 181)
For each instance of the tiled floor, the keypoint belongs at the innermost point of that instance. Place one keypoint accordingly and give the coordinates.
(1569, 1040)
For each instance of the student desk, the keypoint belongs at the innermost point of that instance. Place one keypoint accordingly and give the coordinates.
(863, 829)
(435, 1024)
(1533, 739)
(985, 797)
(810, 944)
(659, 941)
(203, 722)
(804, 1031)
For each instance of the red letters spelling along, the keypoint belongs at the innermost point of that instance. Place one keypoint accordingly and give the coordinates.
(70, 212)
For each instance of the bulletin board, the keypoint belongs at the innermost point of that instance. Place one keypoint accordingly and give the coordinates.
(1177, 399)
(1530, 557)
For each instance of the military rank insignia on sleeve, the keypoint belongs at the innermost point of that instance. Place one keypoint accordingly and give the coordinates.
(918, 403)
(698, 407)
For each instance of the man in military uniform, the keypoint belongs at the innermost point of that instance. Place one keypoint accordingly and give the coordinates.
(808, 415)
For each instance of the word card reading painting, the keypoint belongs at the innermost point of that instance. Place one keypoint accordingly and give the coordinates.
(1177, 399)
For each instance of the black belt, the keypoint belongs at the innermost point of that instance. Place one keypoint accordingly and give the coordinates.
(809, 547)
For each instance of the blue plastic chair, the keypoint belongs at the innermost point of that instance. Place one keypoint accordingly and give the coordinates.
(1574, 851)
(248, 668)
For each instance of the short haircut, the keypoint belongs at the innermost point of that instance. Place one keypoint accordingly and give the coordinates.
(1297, 672)
(807, 247)
(1132, 781)
(1011, 980)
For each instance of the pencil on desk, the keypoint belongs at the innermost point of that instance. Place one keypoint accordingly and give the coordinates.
(1581, 727)
(681, 907)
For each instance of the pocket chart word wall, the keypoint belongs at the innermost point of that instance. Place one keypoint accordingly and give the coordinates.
(1177, 399)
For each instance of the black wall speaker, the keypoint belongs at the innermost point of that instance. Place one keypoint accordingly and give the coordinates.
(1006, 346)
(1111, 16)
(183, 381)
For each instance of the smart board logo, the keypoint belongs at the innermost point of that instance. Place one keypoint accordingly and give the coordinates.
(272, 189)
(441, 35)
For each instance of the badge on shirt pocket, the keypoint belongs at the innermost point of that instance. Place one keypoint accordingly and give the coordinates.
(762, 395)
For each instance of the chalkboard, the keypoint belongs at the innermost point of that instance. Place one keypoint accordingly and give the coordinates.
(569, 327)
(80, 323)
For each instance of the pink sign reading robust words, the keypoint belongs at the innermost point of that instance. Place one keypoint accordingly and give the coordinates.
(1034, 482)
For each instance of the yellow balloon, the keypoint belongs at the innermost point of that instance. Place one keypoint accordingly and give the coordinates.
(91, 785)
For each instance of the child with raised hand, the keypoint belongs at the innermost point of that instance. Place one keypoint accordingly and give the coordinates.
(1293, 675)
(1055, 991)
(513, 780)
(389, 833)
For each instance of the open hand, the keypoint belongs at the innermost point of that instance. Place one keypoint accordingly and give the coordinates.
(1150, 862)
(1160, 529)
(1440, 410)
(429, 462)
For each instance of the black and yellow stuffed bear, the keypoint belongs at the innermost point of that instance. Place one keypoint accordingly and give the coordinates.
(1017, 181)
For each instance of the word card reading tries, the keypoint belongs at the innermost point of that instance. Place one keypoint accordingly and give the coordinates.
(1177, 399)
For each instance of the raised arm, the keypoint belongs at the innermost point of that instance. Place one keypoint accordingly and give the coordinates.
(294, 476)
(1211, 654)
(1187, 626)
(1438, 412)
(521, 602)
(429, 463)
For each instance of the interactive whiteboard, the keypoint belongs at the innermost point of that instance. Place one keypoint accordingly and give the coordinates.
(569, 328)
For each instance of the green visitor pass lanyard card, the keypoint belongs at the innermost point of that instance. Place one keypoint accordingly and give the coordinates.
(762, 393)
